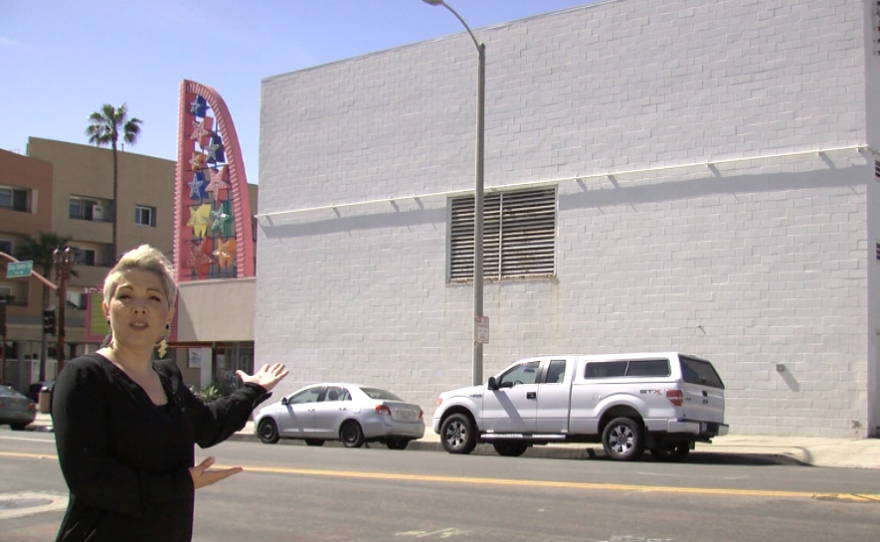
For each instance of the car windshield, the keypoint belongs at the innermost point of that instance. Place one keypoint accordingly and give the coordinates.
(7, 391)
(382, 395)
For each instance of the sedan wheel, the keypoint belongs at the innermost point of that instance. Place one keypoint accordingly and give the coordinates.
(623, 439)
(351, 434)
(457, 434)
(268, 431)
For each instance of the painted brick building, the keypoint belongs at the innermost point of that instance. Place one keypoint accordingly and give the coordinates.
(711, 171)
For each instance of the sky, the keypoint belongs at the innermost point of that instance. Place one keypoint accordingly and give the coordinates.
(60, 60)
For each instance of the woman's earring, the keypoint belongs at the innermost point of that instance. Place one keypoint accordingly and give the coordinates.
(163, 344)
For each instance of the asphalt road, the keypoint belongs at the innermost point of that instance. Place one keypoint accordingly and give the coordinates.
(299, 493)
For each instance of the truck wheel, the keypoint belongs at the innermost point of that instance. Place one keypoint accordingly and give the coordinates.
(510, 448)
(671, 452)
(268, 431)
(623, 439)
(457, 434)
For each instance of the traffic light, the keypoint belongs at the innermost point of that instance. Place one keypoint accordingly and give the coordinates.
(49, 321)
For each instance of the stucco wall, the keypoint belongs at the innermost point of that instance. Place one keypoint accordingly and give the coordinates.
(751, 261)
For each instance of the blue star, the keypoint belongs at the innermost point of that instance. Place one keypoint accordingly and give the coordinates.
(198, 107)
(195, 187)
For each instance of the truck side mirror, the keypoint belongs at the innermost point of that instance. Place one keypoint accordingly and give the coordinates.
(492, 384)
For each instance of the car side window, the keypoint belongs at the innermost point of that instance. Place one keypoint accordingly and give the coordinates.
(555, 372)
(524, 373)
(345, 395)
(605, 369)
(332, 394)
(305, 396)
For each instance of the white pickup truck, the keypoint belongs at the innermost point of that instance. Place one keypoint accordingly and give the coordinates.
(662, 402)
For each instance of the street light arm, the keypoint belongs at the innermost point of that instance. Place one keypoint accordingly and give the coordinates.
(480, 47)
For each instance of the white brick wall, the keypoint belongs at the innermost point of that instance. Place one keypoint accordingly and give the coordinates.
(748, 262)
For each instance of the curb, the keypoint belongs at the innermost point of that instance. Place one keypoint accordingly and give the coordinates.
(720, 454)
(574, 452)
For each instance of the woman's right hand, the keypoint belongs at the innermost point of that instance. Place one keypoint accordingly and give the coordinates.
(203, 475)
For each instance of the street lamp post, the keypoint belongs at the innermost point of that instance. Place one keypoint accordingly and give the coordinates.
(477, 370)
(63, 258)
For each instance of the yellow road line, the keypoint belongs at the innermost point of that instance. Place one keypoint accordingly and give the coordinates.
(528, 483)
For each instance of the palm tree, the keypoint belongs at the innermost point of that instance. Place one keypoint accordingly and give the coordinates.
(105, 128)
(41, 251)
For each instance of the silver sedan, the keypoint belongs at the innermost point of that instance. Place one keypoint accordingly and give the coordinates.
(348, 412)
(16, 409)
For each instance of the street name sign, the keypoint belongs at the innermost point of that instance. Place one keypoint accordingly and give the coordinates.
(19, 269)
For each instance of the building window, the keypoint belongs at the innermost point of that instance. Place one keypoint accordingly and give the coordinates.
(14, 199)
(83, 256)
(145, 216)
(87, 209)
(76, 300)
(6, 246)
(519, 235)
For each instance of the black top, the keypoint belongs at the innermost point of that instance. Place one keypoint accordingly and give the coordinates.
(126, 460)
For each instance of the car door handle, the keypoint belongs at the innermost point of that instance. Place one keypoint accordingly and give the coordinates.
(342, 408)
(531, 395)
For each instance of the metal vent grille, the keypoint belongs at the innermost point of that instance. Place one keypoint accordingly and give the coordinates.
(519, 235)
(877, 251)
(877, 170)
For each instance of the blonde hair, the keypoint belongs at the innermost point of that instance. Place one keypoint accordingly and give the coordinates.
(142, 258)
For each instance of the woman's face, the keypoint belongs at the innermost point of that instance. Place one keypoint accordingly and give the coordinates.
(138, 311)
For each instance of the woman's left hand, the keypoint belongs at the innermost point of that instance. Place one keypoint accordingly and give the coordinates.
(267, 376)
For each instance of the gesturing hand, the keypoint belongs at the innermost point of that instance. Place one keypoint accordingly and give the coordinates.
(203, 475)
(267, 376)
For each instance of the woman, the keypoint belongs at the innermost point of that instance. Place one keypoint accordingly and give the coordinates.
(125, 425)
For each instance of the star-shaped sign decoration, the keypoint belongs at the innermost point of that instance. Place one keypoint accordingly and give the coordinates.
(200, 131)
(198, 219)
(214, 150)
(195, 187)
(198, 107)
(197, 161)
(218, 182)
(220, 219)
(197, 254)
(224, 252)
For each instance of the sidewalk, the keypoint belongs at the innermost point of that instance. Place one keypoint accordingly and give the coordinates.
(746, 449)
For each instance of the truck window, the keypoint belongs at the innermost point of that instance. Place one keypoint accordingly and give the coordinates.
(524, 373)
(605, 369)
(556, 372)
(648, 367)
(698, 371)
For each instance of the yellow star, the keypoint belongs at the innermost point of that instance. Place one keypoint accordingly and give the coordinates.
(198, 219)
(197, 161)
(224, 253)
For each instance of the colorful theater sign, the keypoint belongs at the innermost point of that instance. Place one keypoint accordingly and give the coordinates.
(213, 236)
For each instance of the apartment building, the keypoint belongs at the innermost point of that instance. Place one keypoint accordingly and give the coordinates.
(67, 189)
(25, 208)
